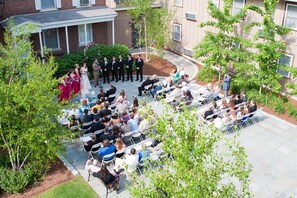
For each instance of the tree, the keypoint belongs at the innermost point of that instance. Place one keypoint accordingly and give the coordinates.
(268, 48)
(221, 49)
(203, 162)
(153, 23)
(29, 132)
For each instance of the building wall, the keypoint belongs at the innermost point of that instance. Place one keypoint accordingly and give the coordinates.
(122, 29)
(192, 35)
(17, 7)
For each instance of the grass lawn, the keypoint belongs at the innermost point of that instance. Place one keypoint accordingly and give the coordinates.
(74, 188)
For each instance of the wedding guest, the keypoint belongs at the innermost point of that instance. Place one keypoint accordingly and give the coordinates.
(101, 93)
(115, 119)
(122, 96)
(120, 146)
(96, 69)
(75, 82)
(63, 95)
(68, 85)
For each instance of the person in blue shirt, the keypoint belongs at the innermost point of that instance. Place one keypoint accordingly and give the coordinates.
(106, 149)
(133, 122)
(144, 154)
(84, 105)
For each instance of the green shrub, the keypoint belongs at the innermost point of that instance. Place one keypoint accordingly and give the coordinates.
(68, 61)
(207, 74)
(278, 105)
(292, 110)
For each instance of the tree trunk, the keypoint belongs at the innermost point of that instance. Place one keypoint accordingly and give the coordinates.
(145, 40)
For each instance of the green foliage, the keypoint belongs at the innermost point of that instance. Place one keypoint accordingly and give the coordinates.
(279, 105)
(88, 55)
(207, 74)
(292, 110)
(203, 161)
(219, 49)
(153, 23)
(13, 181)
(74, 188)
(29, 133)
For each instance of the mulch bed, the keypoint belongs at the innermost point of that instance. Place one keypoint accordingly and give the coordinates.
(56, 175)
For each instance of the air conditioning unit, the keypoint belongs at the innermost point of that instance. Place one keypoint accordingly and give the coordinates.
(188, 52)
(191, 16)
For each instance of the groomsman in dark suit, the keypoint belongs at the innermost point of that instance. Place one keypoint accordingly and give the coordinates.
(129, 65)
(139, 66)
(105, 70)
(114, 69)
(121, 65)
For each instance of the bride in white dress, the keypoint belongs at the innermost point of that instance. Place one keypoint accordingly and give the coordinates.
(85, 85)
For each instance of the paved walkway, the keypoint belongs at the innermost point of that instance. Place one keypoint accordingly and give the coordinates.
(271, 146)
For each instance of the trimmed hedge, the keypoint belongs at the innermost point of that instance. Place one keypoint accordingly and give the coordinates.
(88, 55)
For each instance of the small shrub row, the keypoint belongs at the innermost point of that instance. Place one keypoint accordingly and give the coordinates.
(88, 55)
(207, 74)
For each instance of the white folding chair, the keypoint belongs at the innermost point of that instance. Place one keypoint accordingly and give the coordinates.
(136, 135)
(94, 150)
(127, 137)
(107, 159)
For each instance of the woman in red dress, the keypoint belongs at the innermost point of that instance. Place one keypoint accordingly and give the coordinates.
(75, 82)
(63, 95)
(69, 85)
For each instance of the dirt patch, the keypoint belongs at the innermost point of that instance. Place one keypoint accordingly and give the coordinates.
(56, 175)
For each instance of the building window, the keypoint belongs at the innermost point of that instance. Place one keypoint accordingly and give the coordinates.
(237, 6)
(176, 35)
(48, 4)
(85, 34)
(178, 3)
(51, 38)
(291, 16)
(84, 2)
(286, 61)
(190, 16)
(215, 2)
(45, 5)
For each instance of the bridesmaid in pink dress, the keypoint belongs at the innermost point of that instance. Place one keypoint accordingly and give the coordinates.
(75, 82)
(77, 73)
(63, 95)
(69, 85)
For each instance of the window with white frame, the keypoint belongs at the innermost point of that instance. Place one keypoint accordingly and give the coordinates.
(190, 16)
(85, 34)
(51, 38)
(178, 3)
(237, 6)
(176, 34)
(78, 3)
(291, 16)
(84, 2)
(47, 4)
(215, 2)
(286, 61)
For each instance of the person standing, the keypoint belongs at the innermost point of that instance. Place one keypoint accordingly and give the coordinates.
(105, 70)
(226, 84)
(96, 69)
(85, 85)
(121, 68)
(139, 65)
(129, 65)
(114, 68)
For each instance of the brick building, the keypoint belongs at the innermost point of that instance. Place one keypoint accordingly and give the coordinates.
(67, 25)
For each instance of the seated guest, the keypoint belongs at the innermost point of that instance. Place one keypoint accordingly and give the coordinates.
(105, 111)
(155, 89)
(125, 128)
(84, 105)
(208, 112)
(136, 113)
(116, 132)
(215, 107)
(237, 99)
(121, 107)
(189, 98)
(115, 119)
(226, 118)
(101, 93)
(119, 145)
(133, 122)
(231, 103)
(125, 116)
(181, 80)
(112, 90)
(155, 79)
(147, 82)
(224, 104)
(122, 96)
(98, 105)
(86, 117)
(243, 96)
(106, 135)
(72, 122)
(92, 97)
(96, 125)
(129, 163)
(216, 92)
(106, 121)
(106, 149)
(240, 112)
(135, 103)
(144, 154)
(253, 106)
(90, 143)
(175, 75)
(176, 92)
(95, 113)
(144, 124)
(232, 114)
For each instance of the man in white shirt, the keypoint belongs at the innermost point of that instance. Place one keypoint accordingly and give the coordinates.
(129, 163)
(133, 122)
